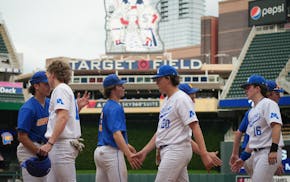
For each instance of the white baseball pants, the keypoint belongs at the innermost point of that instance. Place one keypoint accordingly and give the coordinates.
(62, 156)
(110, 165)
(22, 155)
(262, 170)
(174, 161)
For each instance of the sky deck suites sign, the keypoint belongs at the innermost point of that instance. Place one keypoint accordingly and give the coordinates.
(10, 88)
(132, 27)
(133, 64)
(125, 103)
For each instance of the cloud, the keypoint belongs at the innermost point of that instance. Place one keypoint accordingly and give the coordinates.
(43, 29)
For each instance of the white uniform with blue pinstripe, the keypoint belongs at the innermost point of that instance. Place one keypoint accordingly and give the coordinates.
(173, 137)
(259, 129)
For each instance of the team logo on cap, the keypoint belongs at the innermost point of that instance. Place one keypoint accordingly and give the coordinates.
(7, 138)
(255, 13)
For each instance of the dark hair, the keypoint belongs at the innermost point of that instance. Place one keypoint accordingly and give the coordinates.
(61, 70)
(31, 89)
(263, 88)
(174, 80)
(108, 91)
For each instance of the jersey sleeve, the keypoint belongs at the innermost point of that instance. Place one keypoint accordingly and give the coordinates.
(272, 113)
(244, 124)
(61, 99)
(185, 109)
(25, 118)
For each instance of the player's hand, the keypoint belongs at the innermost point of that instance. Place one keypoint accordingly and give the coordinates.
(233, 159)
(158, 157)
(84, 100)
(272, 158)
(216, 160)
(280, 170)
(207, 161)
(238, 164)
(132, 149)
(134, 162)
(141, 155)
(44, 149)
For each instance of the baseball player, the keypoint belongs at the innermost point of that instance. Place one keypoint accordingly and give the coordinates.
(191, 92)
(63, 128)
(273, 93)
(112, 136)
(32, 122)
(177, 117)
(264, 130)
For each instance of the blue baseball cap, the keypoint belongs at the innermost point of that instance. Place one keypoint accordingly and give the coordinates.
(165, 70)
(112, 80)
(187, 88)
(254, 79)
(39, 77)
(272, 86)
(36, 166)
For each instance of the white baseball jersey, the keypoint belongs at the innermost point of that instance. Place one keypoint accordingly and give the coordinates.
(62, 97)
(260, 118)
(176, 113)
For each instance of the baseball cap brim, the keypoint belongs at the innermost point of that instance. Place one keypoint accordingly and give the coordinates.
(44, 81)
(157, 76)
(121, 82)
(193, 90)
(278, 90)
(245, 85)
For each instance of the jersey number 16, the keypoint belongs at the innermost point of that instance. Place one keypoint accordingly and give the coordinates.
(257, 130)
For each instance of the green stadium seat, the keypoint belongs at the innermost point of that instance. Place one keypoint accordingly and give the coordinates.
(3, 48)
(267, 55)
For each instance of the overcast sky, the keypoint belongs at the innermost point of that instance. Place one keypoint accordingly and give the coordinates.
(41, 29)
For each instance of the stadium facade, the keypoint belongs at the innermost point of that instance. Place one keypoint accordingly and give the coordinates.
(229, 52)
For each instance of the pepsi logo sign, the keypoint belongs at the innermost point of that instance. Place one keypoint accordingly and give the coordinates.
(256, 13)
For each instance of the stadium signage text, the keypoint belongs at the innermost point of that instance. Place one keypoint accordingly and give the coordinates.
(10, 88)
(7, 90)
(125, 104)
(267, 12)
(133, 64)
(275, 179)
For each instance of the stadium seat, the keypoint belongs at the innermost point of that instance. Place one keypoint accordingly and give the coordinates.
(3, 48)
(267, 55)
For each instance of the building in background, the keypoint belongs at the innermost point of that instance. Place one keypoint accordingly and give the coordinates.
(180, 22)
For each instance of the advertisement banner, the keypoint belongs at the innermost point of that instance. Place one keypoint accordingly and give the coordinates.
(276, 179)
(10, 88)
(125, 103)
(264, 12)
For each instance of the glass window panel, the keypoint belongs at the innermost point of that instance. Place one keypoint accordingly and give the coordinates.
(203, 79)
(99, 79)
(92, 80)
(195, 79)
(84, 80)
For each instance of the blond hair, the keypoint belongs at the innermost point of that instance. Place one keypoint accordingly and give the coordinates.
(61, 70)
